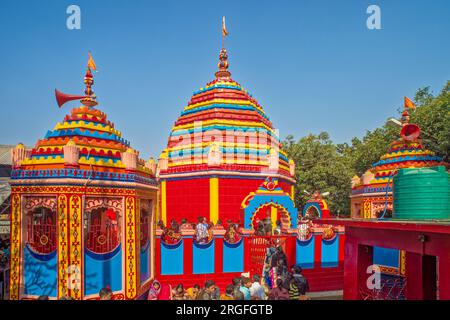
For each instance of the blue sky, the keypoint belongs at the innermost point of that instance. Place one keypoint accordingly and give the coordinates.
(313, 65)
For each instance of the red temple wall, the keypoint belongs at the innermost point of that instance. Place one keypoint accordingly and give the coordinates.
(285, 186)
(187, 199)
(190, 198)
(231, 193)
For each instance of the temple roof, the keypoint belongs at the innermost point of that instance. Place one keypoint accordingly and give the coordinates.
(405, 152)
(99, 143)
(223, 119)
(85, 145)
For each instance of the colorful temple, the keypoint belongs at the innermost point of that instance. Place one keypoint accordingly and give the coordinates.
(372, 194)
(226, 194)
(82, 209)
(87, 213)
(225, 145)
(373, 190)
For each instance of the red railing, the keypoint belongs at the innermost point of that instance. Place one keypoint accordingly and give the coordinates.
(102, 234)
(41, 231)
(258, 250)
(389, 289)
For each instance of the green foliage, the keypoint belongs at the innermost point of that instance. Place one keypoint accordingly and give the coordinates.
(319, 166)
(433, 117)
(324, 166)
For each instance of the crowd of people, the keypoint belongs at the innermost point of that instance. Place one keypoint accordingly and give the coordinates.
(293, 286)
(277, 282)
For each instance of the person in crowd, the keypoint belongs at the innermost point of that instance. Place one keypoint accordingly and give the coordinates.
(179, 293)
(201, 230)
(216, 293)
(277, 256)
(279, 292)
(166, 292)
(300, 281)
(228, 295)
(106, 293)
(260, 228)
(237, 294)
(294, 290)
(246, 283)
(256, 289)
(159, 291)
(193, 292)
(154, 291)
(277, 230)
(207, 293)
(267, 222)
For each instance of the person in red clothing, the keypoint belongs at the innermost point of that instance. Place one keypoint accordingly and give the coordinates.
(279, 292)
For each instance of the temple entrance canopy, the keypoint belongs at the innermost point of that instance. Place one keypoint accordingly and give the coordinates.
(269, 208)
(316, 207)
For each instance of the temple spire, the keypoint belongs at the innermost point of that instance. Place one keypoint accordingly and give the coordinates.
(90, 99)
(223, 72)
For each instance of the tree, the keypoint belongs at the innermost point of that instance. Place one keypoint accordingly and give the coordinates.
(319, 166)
(324, 166)
(432, 115)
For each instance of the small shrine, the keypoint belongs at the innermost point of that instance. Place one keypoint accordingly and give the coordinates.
(371, 195)
(82, 209)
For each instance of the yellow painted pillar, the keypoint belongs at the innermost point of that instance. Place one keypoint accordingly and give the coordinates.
(273, 216)
(292, 192)
(76, 249)
(131, 248)
(16, 248)
(367, 209)
(163, 202)
(214, 199)
(156, 213)
(63, 246)
(402, 265)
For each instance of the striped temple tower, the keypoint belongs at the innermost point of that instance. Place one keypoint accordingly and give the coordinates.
(220, 150)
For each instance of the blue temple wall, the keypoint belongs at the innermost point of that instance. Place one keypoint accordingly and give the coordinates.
(172, 257)
(203, 257)
(233, 256)
(145, 266)
(330, 252)
(40, 273)
(305, 253)
(102, 270)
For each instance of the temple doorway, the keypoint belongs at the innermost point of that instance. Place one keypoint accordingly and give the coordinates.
(270, 219)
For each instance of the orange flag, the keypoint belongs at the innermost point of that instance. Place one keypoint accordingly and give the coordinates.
(224, 27)
(91, 64)
(409, 103)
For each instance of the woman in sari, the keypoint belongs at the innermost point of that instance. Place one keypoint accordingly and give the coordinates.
(159, 291)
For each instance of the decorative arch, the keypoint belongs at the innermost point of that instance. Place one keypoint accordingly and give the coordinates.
(318, 206)
(269, 194)
(41, 223)
(103, 224)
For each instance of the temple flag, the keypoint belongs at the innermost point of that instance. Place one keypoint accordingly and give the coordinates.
(91, 64)
(409, 103)
(224, 27)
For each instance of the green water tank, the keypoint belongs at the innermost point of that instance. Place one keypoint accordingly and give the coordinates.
(422, 193)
